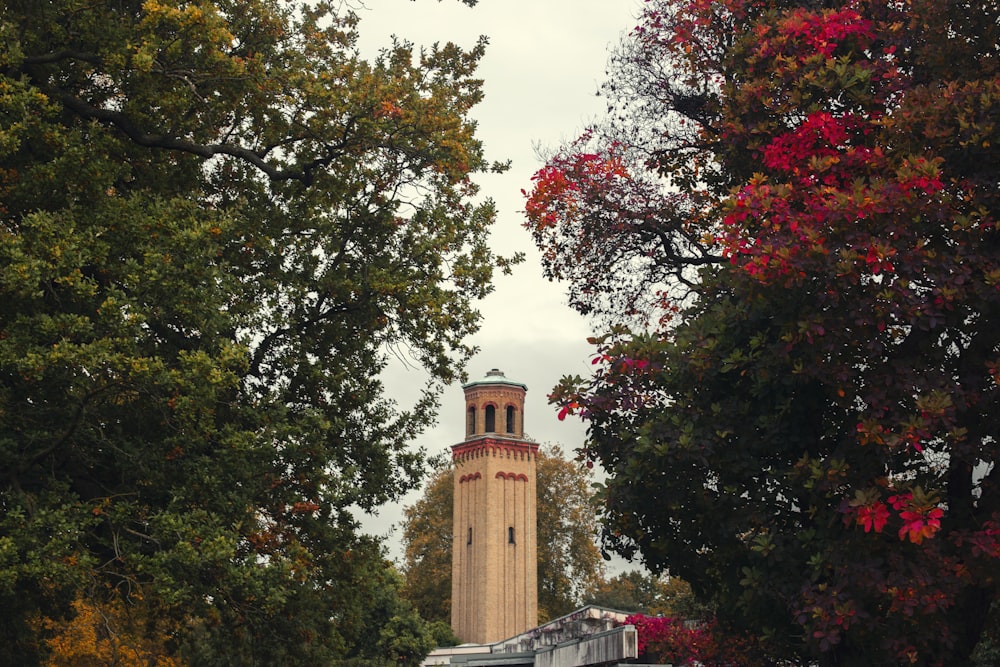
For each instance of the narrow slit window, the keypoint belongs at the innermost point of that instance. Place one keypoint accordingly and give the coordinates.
(510, 535)
(470, 535)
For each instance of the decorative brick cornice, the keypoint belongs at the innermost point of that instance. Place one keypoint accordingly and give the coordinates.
(492, 446)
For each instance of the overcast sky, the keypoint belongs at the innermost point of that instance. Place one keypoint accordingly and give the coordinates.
(544, 64)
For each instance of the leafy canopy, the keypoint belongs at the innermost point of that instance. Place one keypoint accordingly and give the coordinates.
(644, 593)
(217, 222)
(788, 228)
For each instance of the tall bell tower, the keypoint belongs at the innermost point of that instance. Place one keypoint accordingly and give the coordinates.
(494, 575)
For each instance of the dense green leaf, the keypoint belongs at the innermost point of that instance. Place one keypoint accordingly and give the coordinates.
(217, 223)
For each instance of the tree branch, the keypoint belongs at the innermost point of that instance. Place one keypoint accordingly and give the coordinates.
(126, 125)
(65, 54)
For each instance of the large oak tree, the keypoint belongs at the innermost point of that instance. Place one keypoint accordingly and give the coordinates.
(788, 226)
(217, 222)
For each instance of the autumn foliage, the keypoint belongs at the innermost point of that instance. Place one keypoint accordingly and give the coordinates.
(674, 641)
(794, 258)
(107, 633)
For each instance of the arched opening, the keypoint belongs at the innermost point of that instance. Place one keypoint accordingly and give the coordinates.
(491, 419)
(470, 424)
(510, 419)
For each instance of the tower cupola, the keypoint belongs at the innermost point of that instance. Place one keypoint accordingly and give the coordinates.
(494, 407)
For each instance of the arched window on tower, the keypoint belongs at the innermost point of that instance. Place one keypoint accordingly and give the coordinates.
(510, 419)
(470, 425)
(491, 419)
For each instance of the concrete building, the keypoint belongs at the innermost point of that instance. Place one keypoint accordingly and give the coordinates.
(494, 572)
(589, 637)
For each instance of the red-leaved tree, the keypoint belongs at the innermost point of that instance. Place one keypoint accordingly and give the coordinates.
(788, 225)
(673, 641)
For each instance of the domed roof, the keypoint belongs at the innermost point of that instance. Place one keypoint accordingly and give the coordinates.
(495, 376)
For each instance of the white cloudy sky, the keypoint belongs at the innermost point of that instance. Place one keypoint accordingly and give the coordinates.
(542, 69)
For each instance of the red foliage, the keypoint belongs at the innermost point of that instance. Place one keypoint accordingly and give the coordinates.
(812, 33)
(835, 169)
(687, 643)
(602, 221)
(873, 517)
(919, 519)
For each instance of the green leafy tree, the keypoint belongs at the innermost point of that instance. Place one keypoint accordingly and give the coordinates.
(216, 220)
(427, 543)
(644, 593)
(796, 393)
(404, 638)
(569, 562)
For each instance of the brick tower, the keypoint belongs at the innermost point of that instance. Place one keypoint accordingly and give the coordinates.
(494, 576)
